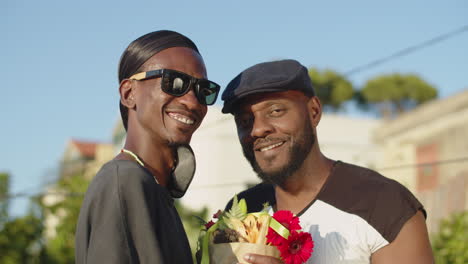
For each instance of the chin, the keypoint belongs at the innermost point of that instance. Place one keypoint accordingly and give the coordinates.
(274, 163)
(270, 169)
(179, 141)
(277, 175)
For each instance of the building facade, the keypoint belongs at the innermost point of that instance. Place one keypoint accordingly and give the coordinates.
(426, 150)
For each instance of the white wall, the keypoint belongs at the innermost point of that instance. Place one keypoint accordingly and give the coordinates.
(348, 139)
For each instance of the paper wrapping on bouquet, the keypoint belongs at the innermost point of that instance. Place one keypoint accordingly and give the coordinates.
(229, 253)
(232, 252)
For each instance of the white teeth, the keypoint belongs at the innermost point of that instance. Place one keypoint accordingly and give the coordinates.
(182, 119)
(271, 146)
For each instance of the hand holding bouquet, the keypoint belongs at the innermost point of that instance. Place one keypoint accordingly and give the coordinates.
(237, 232)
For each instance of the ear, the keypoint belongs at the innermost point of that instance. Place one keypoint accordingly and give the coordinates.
(127, 94)
(315, 110)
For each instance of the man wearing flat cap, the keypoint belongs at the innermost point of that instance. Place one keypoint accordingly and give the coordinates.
(354, 214)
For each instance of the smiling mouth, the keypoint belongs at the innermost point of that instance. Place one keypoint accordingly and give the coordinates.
(271, 146)
(181, 118)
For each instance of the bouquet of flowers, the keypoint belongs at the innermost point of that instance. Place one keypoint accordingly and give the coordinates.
(231, 234)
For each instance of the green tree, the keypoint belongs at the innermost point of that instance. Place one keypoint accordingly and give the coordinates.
(4, 201)
(20, 240)
(191, 222)
(332, 88)
(20, 237)
(450, 244)
(395, 93)
(69, 193)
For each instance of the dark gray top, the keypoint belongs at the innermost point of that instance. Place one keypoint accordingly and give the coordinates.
(126, 217)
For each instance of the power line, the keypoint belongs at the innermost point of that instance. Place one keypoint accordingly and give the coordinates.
(28, 195)
(75, 194)
(441, 162)
(354, 70)
(406, 51)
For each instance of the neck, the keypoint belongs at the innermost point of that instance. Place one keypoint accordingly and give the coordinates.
(156, 157)
(304, 185)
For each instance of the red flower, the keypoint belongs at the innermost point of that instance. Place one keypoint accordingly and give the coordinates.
(217, 214)
(209, 224)
(298, 249)
(288, 220)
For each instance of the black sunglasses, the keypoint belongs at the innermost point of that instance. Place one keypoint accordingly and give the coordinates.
(177, 83)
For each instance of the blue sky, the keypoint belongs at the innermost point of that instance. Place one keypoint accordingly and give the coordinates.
(59, 59)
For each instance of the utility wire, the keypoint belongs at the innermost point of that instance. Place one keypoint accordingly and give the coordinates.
(354, 70)
(22, 195)
(441, 162)
(406, 51)
(75, 194)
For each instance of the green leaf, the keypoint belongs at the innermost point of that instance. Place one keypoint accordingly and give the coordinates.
(199, 220)
(238, 209)
(243, 206)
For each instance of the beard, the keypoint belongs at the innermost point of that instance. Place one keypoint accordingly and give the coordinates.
(299, 150)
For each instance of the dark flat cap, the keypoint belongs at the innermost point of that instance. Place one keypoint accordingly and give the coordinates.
(274, 76)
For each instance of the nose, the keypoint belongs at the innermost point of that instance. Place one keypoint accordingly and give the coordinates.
(190, 100)
(261, 127)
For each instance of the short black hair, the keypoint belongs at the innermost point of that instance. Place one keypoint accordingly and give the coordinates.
(142, 49)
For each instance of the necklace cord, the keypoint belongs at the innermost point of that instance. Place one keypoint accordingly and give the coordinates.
(134, 156)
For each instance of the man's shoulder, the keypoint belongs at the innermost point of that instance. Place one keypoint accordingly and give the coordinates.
(256, 197)
(119, 173)
(352, 174)
(122, 170)
(361, 185)
(383, 202)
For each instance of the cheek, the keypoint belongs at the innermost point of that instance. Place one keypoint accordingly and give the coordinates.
(157, 98)
(150, 104)
(292, 123)
(243, 134)
(203, 110)
(246, 141)
(154, 92)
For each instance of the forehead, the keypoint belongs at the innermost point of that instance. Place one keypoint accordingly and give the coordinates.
(260, 101)
(178, 58)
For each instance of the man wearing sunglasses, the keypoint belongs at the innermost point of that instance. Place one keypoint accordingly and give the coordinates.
(128, 215)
